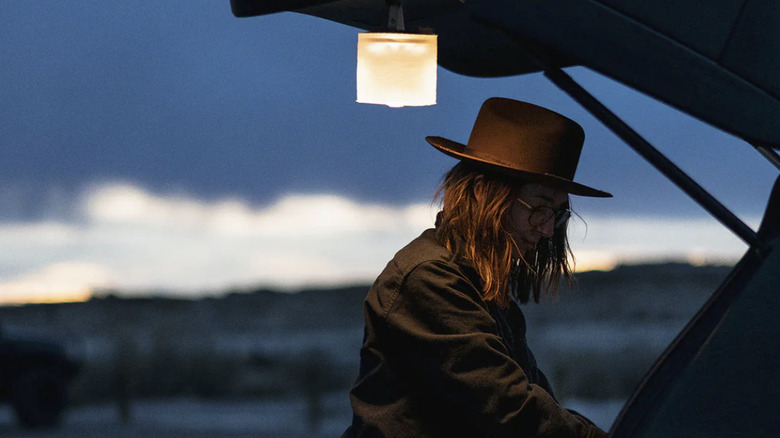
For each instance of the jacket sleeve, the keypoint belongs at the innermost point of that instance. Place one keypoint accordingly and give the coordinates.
(452, 349)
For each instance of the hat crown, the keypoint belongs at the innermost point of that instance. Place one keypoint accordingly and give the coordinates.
(527, 137)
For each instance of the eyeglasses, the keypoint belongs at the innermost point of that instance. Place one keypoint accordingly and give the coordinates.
(543, 213)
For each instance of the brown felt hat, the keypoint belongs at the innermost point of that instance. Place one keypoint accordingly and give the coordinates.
(523, 142)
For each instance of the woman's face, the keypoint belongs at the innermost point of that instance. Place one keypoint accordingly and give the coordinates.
(534, 195)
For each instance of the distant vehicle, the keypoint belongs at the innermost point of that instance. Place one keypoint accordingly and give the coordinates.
(34, 378)
(717, 61)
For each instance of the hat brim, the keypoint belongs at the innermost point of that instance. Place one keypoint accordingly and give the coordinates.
(457, 150)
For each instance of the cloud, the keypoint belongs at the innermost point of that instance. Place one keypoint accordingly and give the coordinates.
(133, 241)
(142, 242)
(294, 216)
(608, 241)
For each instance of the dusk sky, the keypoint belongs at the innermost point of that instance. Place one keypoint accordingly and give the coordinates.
(170, 146)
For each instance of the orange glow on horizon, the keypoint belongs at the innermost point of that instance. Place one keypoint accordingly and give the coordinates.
(595, 261)
(42, 297)
(61, 282)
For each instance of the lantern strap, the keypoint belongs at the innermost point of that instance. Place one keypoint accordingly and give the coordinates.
(395, 19)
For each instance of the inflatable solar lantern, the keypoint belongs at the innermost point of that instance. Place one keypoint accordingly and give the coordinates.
(396, 69)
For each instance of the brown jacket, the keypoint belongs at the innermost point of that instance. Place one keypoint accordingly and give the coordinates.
(434, 362)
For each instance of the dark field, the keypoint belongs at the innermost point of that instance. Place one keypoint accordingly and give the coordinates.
(262, 363)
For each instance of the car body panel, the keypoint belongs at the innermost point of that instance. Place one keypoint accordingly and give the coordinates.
(719, 378)
(718, 62)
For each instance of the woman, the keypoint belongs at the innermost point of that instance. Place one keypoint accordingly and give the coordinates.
(444, 351)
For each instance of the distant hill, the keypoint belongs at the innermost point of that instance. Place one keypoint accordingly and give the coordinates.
(636, 293)
(342, 306)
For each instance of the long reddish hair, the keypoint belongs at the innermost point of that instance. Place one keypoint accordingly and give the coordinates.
(474, 223)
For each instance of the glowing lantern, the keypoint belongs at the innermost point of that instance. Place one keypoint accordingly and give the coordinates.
(396, 69)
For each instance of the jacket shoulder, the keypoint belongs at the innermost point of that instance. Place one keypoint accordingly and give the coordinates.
(422, 261)
(424, 248)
